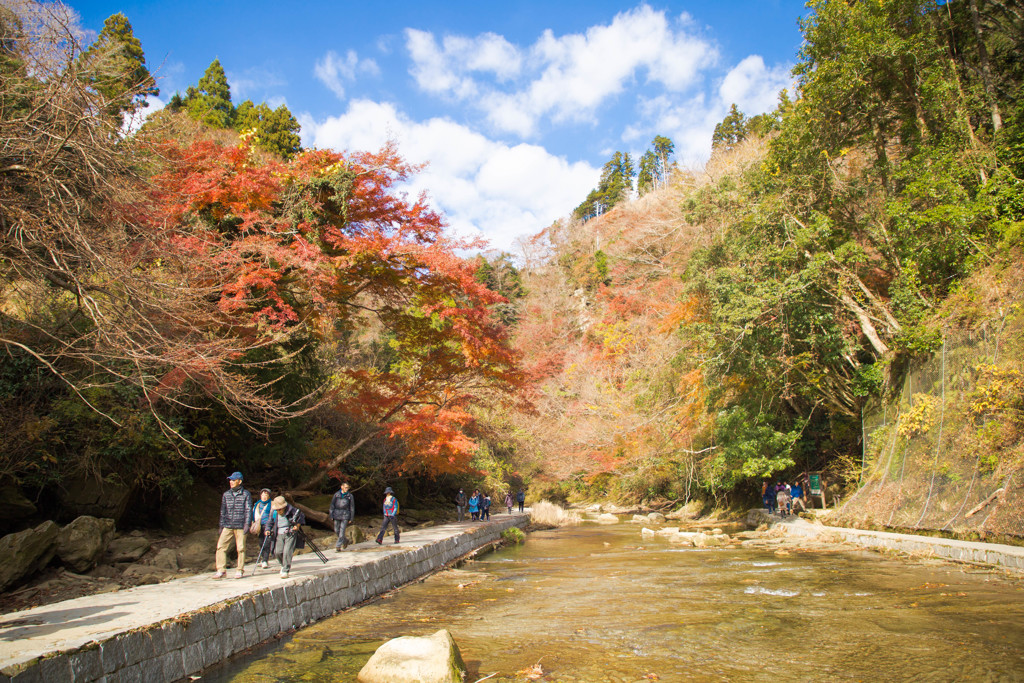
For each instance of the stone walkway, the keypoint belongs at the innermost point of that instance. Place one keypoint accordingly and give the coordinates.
(167, 631)
(977, 552)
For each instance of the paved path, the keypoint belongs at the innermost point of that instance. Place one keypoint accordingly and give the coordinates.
(978, 552)
(360, 572)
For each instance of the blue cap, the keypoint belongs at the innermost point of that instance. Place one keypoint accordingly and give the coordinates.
(388, 490)
(235, 475)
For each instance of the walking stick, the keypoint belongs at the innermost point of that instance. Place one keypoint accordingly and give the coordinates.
(319, 553)
(266, 537)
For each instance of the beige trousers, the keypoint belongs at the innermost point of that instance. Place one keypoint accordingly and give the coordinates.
(224, 542)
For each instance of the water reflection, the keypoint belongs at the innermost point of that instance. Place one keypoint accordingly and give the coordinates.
(594, 604)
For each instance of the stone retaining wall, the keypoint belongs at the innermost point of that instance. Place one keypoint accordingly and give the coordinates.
(996, 554)
(187, 644)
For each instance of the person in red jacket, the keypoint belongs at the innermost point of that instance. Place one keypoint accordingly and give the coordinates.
(390, 515)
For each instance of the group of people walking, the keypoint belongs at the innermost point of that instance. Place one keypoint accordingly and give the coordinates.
(783, 498)
(479, 506)
(277, 525)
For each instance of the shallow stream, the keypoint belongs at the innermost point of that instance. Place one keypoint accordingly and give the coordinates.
(595, 604)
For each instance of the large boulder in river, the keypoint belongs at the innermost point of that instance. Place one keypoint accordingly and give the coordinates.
(656, 517)
(26, 552)
(607, 518)
(411, 659)
(81, 543)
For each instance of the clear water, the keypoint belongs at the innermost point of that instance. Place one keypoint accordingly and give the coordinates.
(596, 604)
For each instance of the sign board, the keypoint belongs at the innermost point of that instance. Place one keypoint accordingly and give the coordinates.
(814, 484)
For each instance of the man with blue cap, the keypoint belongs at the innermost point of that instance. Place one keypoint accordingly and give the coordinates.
(235, 518)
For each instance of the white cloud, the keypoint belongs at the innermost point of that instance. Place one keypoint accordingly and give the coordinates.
(753, 87)
(254, 81)
(333, 70)
(567, 78)
(483, 187)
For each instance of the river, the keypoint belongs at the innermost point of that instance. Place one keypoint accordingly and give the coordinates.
(596, 604)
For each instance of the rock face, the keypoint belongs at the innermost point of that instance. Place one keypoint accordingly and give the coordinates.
(89, 496)
(166, 560)
(410, 659)
(128, 548)
(197, 549)
(354, 534)
(27, 552)
(16, 506)
(81, 544)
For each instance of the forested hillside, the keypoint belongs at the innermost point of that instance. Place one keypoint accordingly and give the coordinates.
(737, 325)
(201, 294)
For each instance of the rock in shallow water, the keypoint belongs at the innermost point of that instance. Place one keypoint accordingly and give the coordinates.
(411, 659)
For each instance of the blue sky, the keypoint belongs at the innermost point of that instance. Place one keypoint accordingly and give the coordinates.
(515, 105)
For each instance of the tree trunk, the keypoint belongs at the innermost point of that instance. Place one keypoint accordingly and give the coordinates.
(865, 324)
(314, 481)
(986, 70)
(321, 518)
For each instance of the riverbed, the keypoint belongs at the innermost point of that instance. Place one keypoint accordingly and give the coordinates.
(597, 603)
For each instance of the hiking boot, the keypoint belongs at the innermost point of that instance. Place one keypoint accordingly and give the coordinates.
(379, 542)
(284, 574)
(264, 565)
(337, 548)
(220, 574)
(240, 573)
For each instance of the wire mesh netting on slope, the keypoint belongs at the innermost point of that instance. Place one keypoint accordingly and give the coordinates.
(946, 454)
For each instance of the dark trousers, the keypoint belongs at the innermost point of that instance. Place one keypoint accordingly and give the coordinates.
(485, 513)
(393, 521)
(520, 506)
(340, 525)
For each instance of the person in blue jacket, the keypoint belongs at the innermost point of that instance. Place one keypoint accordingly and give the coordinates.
(261, 513)
(390, 515)
(474, 506)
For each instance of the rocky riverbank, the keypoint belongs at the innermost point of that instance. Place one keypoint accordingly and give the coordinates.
(50, 563)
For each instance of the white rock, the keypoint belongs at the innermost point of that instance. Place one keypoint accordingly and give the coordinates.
(647, 533)
(656, 517)
(639, 519)
(668, 531)
(607, 518)
(412, 659)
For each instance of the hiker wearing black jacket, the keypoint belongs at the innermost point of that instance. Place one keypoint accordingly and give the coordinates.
(235, 518)
(343, 509)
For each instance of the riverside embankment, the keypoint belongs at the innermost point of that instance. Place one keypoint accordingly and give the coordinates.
(973, 552)
(168, 631)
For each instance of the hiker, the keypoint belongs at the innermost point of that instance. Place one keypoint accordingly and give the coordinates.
(782, 498)
(460, 504)
(287, 522)
(390, 515)
(474, 506)
(797, 493)
(261, 513)
(768, 496)
(343, 509)
(235, 520)
(485, 507)
(521, 498)
(508, 501)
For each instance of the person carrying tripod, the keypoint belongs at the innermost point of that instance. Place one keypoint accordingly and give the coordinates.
(286, 524)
